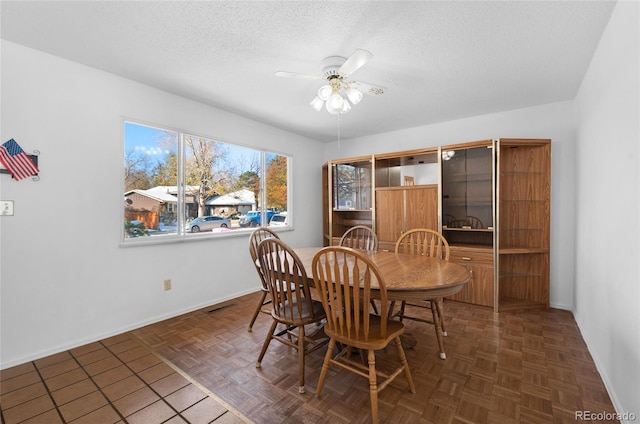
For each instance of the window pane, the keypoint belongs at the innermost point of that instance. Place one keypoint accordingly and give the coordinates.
(151, 176)
(224, 180)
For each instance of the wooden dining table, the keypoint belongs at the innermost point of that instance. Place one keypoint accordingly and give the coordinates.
(408, 277)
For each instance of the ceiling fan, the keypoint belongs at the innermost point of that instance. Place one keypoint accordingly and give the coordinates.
(336, 70)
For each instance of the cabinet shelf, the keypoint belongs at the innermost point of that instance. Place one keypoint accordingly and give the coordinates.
(472, 230)
(506, 173)
(542, 201)
(465, 178)
(522, 250)
(460, 201)
(512, 275)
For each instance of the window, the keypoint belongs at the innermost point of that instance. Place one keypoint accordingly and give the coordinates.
(178, 184)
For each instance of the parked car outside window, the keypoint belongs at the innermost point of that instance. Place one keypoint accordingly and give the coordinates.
(279, 220)
(207, 223)
(252, 218)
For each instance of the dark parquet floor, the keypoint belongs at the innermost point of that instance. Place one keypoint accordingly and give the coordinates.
(529, 366)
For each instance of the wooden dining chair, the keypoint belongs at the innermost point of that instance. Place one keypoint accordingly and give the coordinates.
(254, 240)
(292, 304)
(425, 242)
(362, 238)
(344, 279)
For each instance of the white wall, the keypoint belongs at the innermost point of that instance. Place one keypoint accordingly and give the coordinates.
(555, 121)
(608, 219)
(65, 280)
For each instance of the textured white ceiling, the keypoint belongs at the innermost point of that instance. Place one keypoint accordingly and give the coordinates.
(439, 60)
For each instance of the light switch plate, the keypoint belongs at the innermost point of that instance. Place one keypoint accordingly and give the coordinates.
(6, 207)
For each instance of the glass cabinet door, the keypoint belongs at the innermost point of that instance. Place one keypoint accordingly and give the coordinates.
(351, 195)
(352, 186)
(467, 195)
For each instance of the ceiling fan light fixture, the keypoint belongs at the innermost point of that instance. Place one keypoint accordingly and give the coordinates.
(338, 94)
(354, 95)
(317, 103)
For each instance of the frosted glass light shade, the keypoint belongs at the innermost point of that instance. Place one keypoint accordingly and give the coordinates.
(324, 92)
(354, 95)
(335, 104)
(317, 104)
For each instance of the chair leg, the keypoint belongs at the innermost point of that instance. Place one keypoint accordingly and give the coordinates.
(325, 366)
(301, 356)
(373, 386)
(436, 324)
(405, 364)
(266, 343)
(258, 309)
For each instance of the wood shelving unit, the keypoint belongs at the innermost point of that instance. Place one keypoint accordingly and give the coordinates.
(523, 211)
(489, 198)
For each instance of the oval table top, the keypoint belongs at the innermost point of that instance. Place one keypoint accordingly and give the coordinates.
(407, 277)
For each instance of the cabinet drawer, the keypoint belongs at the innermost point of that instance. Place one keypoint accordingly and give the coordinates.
(387, 246)
(472, 257)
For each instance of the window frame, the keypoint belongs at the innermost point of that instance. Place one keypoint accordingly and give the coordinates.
(181, 235)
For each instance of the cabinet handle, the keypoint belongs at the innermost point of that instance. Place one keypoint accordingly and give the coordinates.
(466, 258)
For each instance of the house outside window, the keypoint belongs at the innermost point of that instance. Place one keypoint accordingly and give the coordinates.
(172, 178)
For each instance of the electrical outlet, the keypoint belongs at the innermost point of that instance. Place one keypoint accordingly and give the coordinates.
(167, 284)
(6, 207)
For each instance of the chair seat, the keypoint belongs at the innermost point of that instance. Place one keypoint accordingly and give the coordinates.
(306, 315)
(373, 339)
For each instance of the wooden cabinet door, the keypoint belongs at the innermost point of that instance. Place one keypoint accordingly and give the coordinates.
(389, 215)
(421, 208)
(481, 286)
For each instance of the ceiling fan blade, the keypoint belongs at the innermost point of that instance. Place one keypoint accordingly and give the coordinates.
(367, 88)
(297, 75)
(355, 62)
